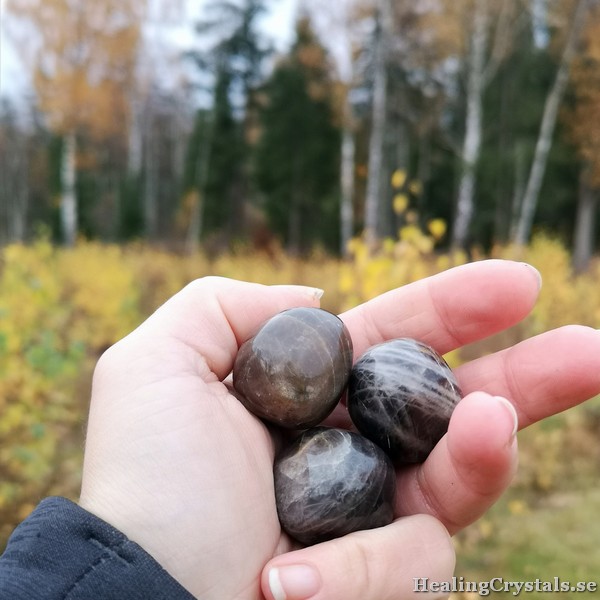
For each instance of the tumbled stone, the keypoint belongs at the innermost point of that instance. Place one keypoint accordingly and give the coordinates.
(401, 395)
(294, 370)
(330, 482)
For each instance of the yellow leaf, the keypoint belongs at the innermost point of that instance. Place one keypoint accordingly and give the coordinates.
(437, 228)
(347, 281)
(412, 217)
(388, 245)
(544, 481)
(415, 187)
(486, 528)
(398, 178)
(518, 507)
(400, 203)
(410, 233)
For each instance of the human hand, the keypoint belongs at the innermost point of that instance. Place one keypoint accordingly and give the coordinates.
(175, 462)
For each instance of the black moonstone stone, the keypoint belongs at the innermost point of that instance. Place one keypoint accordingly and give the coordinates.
(294, 370)
(401, 395)
(330, 482)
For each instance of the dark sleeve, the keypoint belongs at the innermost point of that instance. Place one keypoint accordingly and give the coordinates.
(62, 552)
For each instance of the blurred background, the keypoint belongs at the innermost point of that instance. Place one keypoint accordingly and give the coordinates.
(356, 146)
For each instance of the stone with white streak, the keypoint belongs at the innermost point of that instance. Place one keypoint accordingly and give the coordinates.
(401, 395)
(330, 482)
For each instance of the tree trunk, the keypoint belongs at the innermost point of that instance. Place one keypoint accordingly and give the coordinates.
(519, 187)
(294, 243)
(128, 199)
(347, 189)
(400, 155)
(202, 170)
(473, 124)
(583, 239)
(68, 203)
(376, 142)
(192, 241)
(423, 170)
(150, 197)
(135, 142)
(14, 188)
(544, 142)
(503, 205)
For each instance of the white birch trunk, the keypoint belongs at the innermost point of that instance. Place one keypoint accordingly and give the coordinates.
(150, 201)
(376, 141)
(583, 239)
(347, 189)
(135, 140)
(151, 166)
(544, 142)
(194, 232)
(68, 203)
(14, 191)
(473, 123)
(192, 240)
(519, 187)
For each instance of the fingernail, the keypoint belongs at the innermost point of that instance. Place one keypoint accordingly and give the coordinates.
(294, 582)
(510, 409)
(312, 292)
(537, 274)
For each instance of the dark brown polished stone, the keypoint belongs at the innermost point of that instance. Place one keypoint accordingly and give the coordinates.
(294, 370)
(401, 395)
(330, 482)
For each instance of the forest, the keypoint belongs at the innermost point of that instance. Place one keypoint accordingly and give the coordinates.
(481, 117)
(147, 144)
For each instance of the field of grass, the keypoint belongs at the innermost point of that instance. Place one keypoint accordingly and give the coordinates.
(60, 308)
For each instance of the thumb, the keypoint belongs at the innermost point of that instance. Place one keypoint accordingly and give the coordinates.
(388, 563)
(214, 315)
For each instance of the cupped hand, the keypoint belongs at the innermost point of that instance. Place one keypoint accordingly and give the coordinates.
(174, 461)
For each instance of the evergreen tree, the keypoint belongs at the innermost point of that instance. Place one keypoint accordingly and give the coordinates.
(297, 162)
(227, 153)
(221, 158)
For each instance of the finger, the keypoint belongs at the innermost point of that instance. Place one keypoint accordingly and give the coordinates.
(383, 564)
(450, 309)
(469, 468)
(541, 376)
(214, 315)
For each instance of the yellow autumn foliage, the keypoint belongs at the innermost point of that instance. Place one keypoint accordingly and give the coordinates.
(60, 308)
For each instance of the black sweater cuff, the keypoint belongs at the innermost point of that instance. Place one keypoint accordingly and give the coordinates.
(62, 552)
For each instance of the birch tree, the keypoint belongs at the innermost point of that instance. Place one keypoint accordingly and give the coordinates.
(473, 123)
(14, 177)
(82, 57)
(585, 221)
(583, 126)
(383, 32)
(547, 126)
(483, 56)
(336, 26)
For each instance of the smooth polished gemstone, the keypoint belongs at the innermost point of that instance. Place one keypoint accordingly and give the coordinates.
(401, 395)
(330, 482)
(294, 370)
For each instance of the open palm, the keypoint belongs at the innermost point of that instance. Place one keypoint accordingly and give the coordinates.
(176, 462)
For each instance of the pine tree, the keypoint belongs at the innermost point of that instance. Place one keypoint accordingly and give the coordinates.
(222, 157)
(297, 159)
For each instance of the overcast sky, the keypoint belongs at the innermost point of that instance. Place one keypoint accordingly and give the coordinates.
(278, 25)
